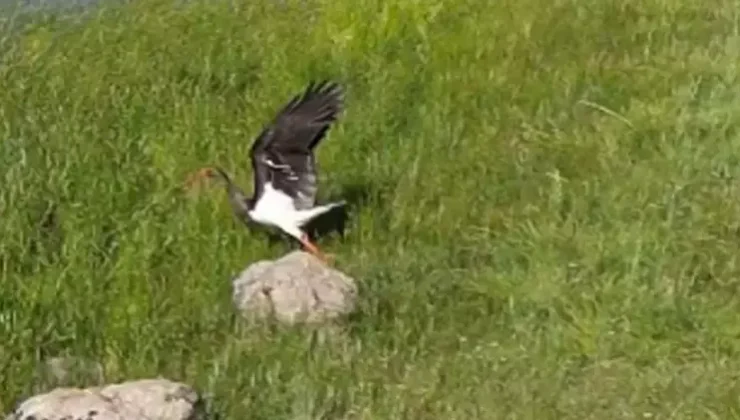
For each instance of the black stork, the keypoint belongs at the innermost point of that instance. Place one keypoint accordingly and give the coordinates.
(284, 166)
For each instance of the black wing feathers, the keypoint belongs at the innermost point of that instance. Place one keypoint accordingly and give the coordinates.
(283, 153)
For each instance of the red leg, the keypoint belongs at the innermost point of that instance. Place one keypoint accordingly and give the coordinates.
(313, 249)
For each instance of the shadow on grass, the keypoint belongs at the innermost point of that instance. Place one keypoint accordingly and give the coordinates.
(335, 221)
(40, 246)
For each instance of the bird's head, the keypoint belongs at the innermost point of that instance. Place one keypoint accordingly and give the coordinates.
(239, 201)
(207, 173)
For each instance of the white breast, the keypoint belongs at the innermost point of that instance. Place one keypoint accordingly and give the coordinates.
(274, 208)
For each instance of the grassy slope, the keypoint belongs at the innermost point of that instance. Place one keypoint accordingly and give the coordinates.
(550, 227)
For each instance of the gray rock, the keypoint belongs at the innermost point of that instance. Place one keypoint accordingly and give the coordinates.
(146, 399)
(297, 288)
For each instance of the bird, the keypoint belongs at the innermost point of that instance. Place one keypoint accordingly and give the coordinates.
(283, 163)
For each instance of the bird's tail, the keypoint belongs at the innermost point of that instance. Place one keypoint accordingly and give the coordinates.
(340, 203)
(308, 215)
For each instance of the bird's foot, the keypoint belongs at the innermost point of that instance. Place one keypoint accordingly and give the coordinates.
(314, 250)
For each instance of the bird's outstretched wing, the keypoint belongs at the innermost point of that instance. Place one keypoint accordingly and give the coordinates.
(283, 153)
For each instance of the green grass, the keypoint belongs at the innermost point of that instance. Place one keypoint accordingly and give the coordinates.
(549, 226)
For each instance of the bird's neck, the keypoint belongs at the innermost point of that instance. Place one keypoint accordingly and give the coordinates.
(238, 198)
(223, 175)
